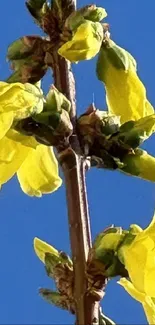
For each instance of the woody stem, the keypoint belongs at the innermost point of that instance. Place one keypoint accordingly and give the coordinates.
(73, 165)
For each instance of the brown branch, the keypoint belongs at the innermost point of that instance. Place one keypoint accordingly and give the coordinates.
(73, 166)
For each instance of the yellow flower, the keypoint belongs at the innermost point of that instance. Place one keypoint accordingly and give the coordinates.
(85, 43)
(125, 93)
(35, 164)
(139, 260)
(18, 101)
(126, 97)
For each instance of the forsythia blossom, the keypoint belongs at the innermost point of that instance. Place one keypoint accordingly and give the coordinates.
(17, 101)
(126, 97)
(35, 164)
(138, 256)
(85, 43)
(125, 93)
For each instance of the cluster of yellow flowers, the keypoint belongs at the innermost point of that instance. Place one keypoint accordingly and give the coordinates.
(35, 164)
(125, 93)
(138, 257)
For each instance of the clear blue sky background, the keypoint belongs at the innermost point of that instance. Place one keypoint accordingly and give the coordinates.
(113, 197)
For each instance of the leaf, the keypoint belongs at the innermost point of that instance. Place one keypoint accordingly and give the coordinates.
(39, 172)
(85, 44)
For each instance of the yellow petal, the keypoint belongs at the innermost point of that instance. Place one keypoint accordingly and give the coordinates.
(20, 98)
(149, 109)
(39, 173)
(6, 120)
(147, 302)
(41, 247)
(12, 154)
(135, 257)
(129, 287)
(140, 164)
(85, 44)
(22, 139)
(125, 93)
(149, 309)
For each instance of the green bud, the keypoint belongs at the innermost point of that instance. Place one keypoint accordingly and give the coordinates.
(108, 240)
(104, 253)
(53, 297)
(93, 13)
(78, 17)
(51, 261)
(27, 56)
(37, 8)
(56, 101)
(57, 299)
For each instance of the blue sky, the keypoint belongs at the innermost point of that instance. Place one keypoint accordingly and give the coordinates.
(113, 197)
